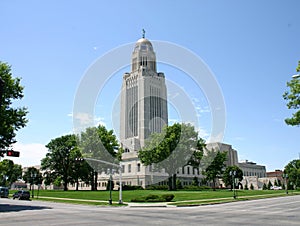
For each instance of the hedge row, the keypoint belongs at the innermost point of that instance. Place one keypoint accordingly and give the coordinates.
(154, 198)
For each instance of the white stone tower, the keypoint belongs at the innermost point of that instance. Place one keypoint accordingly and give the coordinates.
(143, 99)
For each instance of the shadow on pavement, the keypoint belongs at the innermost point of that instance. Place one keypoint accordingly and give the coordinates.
(18, 207)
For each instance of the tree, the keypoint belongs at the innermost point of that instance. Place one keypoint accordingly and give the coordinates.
(172, 149)
(98, 143)
(12, 118)
(292, 169)
(60, 159)
(269, 185)
(228, 178)
(33, 176)
(9, 172)
(293, 98)
(216, 167)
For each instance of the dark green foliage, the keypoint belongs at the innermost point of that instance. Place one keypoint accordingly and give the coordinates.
(154, 198)
(292, 169)
(12, 118)
(33, 176)
(178, 184)
(246, 187)
(216, 167)
(9, 172)
(168, 197)
(60, 159)
(293, 98)
(131, 187)
(157, 187)
(177, 146)
(228, 179)
(195, 181)
(252, 187)
(269, 185)
(279, 183)
(110, 185)
(265, 187)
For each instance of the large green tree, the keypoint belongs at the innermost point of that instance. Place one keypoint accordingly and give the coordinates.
(292, 169)
(60, 160)
(177, 146)
(216, 167)
(99, 144)
(12, 118)
(228, 175)
(33, 176)
(293, 99)
(9, 172)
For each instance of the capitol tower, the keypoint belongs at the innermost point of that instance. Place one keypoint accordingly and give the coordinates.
(143, 99)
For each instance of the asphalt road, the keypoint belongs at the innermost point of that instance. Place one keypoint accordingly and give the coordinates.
(273, 211)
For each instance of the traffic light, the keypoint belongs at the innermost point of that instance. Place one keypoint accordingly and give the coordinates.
(12, 153)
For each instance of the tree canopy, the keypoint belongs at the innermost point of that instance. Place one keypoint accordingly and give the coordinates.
(177, 146)
(9, 172)
(12, 118)
(293, 99)
(33, 176)
(100, 144)
(228, 178)
(292, 169)
(60, 159)
(216, 167)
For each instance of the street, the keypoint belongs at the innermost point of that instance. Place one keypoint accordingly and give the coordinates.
(273, 211)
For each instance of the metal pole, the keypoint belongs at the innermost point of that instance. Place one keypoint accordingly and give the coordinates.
(110, 182)
(120, 190)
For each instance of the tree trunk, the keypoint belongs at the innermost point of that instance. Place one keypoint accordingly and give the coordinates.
(65, 186)
(214, 184)
(96, 180)
(92, 181)
(174, 182)
(77, 184)
(170, 183)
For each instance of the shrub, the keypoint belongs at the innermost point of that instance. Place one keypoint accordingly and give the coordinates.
(264, 187)
(154, 198)
(168, 197)
(130, 187)
(251, 186)
(157, 187)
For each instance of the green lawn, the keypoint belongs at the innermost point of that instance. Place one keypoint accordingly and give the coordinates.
(180, 196)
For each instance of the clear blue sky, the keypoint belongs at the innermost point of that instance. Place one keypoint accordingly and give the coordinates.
(252, 47)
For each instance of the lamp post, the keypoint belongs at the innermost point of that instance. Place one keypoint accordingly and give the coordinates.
(120, 171)
(33, 176)
(285, 176)
(233, 174)
(110, 172)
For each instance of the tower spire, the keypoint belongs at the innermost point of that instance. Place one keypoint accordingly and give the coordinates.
(143, 33)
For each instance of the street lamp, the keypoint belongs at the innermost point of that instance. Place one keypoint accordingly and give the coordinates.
(233, 174)
(33, 176)
(110, 172)
(120, 173)
(286, 176)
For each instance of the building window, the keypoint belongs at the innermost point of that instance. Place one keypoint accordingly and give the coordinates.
(188, 170)
(139, 167)
(129, 168)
